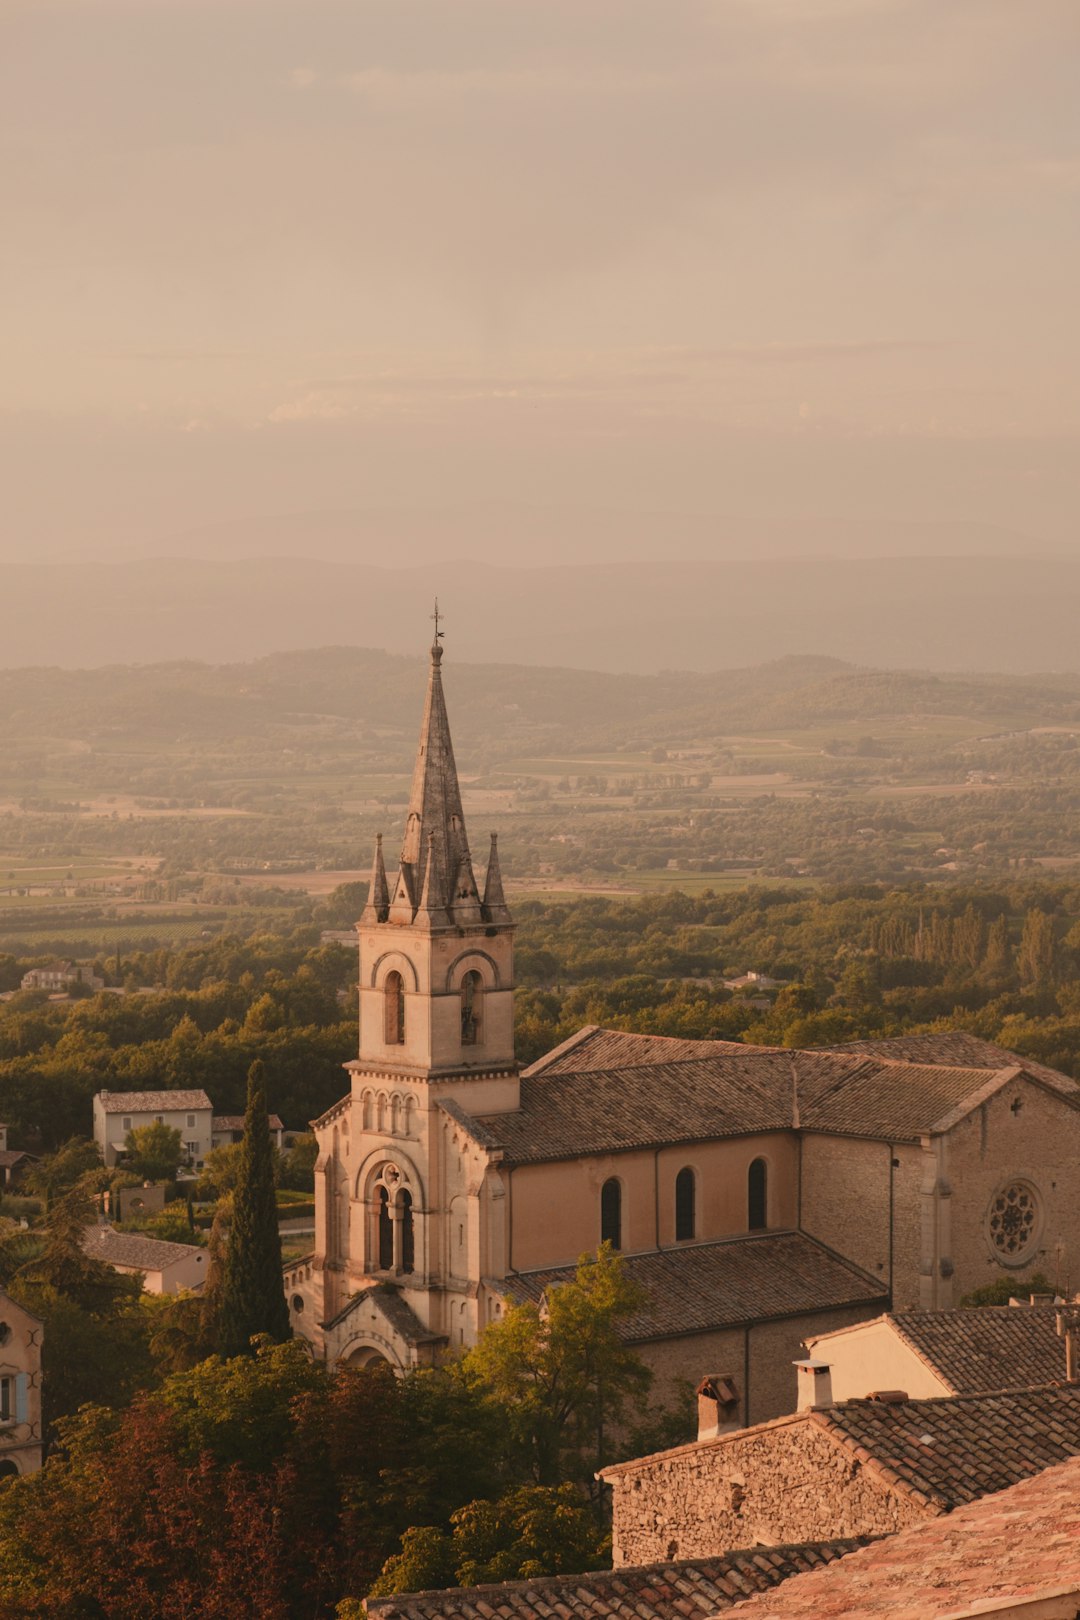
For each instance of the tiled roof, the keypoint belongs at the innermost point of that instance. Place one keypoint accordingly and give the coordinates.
(152, 1102)
(952, 1450)
(996, 1347)
(388, 1301)
(10, 1158)
(132, 1249)
(235, 1122)
(892, 1099)
(714, 1089)
(957, 1049)
(596, 1048)
(1018, 1544)
(716, 1285)
(675, 1591)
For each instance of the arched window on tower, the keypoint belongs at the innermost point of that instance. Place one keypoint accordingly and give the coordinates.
(394, 994)
(408, 1240)
(611, 1213)
(757, 1196)
(386, 1232)
(472, 995)
(685, 1199)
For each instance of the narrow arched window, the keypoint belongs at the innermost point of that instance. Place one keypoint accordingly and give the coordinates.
(757, 1196)
(472, 990)
(408, 1242)
(611, 1213)
(386, 1232)
(685, 1190)
(394, 992)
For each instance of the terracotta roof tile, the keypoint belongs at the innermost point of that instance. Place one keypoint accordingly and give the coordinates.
(693, 1091)
(961, 1447)
(714, 1285)
(1020, 1543)
(595, 1048)
(700, 1586)
(996, 1347)
(150, 1102)
(132, 1249)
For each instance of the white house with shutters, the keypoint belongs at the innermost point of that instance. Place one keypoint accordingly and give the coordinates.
(118, 1112)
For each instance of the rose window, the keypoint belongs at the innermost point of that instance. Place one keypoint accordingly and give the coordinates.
(1013, 1215)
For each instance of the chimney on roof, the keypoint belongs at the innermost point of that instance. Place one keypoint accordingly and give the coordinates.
(717, 1406)
(1066, 1329)
(814, 1383)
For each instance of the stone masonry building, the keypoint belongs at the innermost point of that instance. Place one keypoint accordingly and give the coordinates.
(760, 1195)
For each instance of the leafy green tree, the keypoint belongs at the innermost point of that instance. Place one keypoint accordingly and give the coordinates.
(57, 1173)
(562, 1375)
(155, 1151)
(252, 1290)
(533, 1530)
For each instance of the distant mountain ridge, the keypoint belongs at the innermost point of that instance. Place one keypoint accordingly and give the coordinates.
(947, 613)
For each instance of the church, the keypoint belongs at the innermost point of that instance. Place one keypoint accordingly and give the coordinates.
(761, 1196)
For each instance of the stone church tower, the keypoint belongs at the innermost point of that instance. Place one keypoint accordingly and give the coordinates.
(397, 1216)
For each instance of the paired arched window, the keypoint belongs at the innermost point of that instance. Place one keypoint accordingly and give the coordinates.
(472, 995)
(611, 1213)
(757, 1196)
(393, 1238)
(685, 1202)
(394, 998)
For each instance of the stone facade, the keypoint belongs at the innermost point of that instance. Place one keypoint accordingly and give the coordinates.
(785, 1482)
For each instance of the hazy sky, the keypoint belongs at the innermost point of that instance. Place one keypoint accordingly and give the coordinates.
(768, 262)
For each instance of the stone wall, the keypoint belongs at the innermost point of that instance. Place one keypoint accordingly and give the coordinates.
(786, 1482)
(1024, 1133)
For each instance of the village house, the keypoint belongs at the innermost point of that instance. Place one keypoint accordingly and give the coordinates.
(118, 1112)
(761, 1196)
(857, 1468)
(21, 1337)
(59, 977)
(931, 1353)
(165, 1268)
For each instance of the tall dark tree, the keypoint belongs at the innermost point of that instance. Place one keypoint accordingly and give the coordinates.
(252, 1298)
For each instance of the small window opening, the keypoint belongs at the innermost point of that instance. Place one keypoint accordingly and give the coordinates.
(394, 992)
(408, 1242)
(757, 1196)
(611, 1213)
(684, 1205)
(471, 997)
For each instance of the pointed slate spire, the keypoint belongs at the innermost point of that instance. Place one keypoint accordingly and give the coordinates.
(378, 900)
(435, 825)
(496, 909)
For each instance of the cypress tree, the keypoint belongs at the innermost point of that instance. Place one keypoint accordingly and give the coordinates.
(252, 1298)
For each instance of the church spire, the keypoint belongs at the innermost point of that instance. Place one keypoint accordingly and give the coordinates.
(378, 900)
(435, 835)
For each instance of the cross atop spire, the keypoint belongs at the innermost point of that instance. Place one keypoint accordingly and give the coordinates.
(436, 645)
